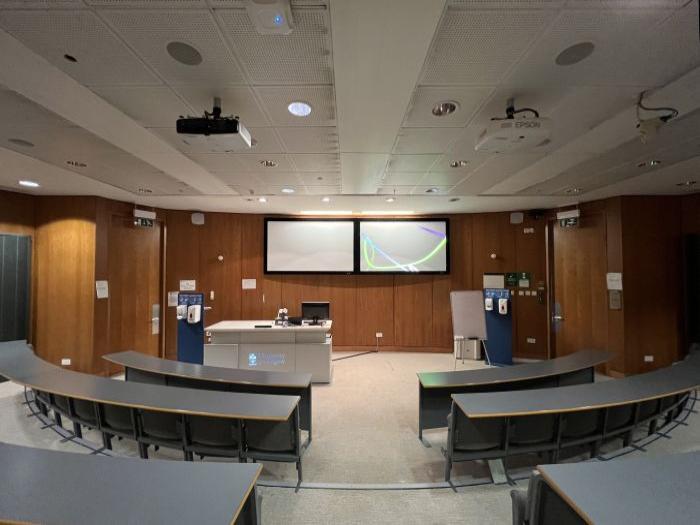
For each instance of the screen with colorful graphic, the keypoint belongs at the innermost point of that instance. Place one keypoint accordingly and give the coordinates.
(412, 246)
(309, 246)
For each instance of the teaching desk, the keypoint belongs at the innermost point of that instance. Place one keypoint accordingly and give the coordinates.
(649, 490)
(262, 345)
(44, 486)
(436, 388)
(143, 368)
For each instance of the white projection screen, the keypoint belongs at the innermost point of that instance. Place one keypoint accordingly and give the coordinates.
(414, 246)
(309, 246)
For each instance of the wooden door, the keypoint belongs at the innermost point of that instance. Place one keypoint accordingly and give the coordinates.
(134, 270)
(578, 309)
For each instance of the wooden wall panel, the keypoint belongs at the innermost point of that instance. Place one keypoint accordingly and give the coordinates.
(375, 309)
(690, 205)
(492, 233)
(341, 291)
(250, 253)
(16, 213)
(616, 318)
(413, 310)
(65, 273)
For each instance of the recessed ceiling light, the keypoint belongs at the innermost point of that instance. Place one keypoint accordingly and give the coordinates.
(458, 163)
(573, 190)
(145, 191)
(326, 199)
(287, 190)
(390, 199)
(454, 199)
(266, 163)
(70, 58)
(21, 142)
(184, 53)
(687, 183)
(575, 54)
(432, 190)
(447, 107)
(299, 108)
(29, 184)
(654, 162)
(262, 199)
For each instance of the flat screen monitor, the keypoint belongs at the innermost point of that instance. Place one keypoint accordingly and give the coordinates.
(404, 246)
(309, 246)
(319, 309)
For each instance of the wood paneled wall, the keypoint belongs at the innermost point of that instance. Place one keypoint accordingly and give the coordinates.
(411, 311)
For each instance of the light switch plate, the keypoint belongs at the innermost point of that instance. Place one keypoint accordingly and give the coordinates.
(648, 358)
(65, 361)
(531, 340)
(379, 335)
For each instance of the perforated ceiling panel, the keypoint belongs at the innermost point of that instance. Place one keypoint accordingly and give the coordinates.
(302, 57)
(321, 98)
(403, 179)
(252, 162)
(309, 139)
(40, 4)
(147, 3)
(155, 106)
(478, 47)
(320, 179)
(313, 162)
(218, 162)
(324, 190)
(509, 4)
(411, 163)
(468, 101)
(101, 58)
(264, 141)
(622, 4)
(425, 140)
(149, 32)
(494, 170)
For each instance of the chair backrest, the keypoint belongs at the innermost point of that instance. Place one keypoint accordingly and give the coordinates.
(159, 425)
(213, 431)
(581, 424)
(84, 411)
(272, 436)
(530, 430)
(648, 409)
(478, 434)
(60, 404)
(115, 418)
(619, 417)
(548, 508)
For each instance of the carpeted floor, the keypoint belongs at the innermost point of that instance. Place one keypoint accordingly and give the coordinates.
(365, 432)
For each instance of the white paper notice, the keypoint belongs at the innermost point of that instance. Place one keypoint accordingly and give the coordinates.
(248, 284)
(188, 285)
(102, 289)
(614, 280)
(172, 298)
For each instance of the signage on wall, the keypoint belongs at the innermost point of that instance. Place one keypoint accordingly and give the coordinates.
(524, 279)
(511, 279)
(614, 280)
(102, 289)
(188, 285)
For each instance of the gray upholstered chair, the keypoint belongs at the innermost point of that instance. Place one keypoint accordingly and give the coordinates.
(115, 420)
(212, 436)
(159, 429)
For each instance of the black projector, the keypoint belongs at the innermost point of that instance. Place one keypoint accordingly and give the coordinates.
(207, 126)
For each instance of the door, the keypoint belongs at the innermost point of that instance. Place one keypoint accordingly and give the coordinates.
(134, 277)
(15, 287)
(578, 307)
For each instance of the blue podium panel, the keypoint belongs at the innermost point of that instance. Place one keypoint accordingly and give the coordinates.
(190, 336)
(499, 328)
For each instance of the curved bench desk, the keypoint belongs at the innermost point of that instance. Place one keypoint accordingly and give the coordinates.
(500, 424)
(43, 486)
(148, 369)
(436, 388)
(192, 420)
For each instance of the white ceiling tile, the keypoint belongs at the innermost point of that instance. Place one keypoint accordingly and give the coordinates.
(403, 179)
(309, 139)
(423, 190)
(445, 178)
(479, 47)
(101, 58)
(19, 112)
(218, 162)
(265, 141)
(425, 140)
(316, 162)
(279, 178)
(234, 178)
(151, 106)
(508, 4)
(494, 170)
(141, 4)
(320, 179)
(324, 190)
(468, 99)
(149, 33)
(275, 99)
(395, 189)
(411, 163)
(40, 4)
(235, 100)
(302, 57)
(626, 4)
(252, 162)
(267, 189)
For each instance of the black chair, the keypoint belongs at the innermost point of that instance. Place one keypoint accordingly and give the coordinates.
(540, 505)
(581, 428)
(82, 413)
(619, 423)
(159, 429)
(470, 439)
(61, 407)
(532, 434)
(42, 401)
(212, 436)
(274, 441)
(115, 420)
(648, 411)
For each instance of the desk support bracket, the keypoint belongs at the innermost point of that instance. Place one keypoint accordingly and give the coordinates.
(498, 472)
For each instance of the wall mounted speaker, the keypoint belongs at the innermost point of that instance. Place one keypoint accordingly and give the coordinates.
(197, 219)
(517, 217)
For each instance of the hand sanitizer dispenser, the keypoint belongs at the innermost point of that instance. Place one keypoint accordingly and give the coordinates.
(488, 304)
(503, 306)
(194, 313)
(181, 312)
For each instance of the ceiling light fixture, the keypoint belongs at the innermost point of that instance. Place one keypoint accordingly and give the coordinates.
(21, 142)
(432, 190)
(266, 163)
(326, 199)
(687, 183)
(654, 162)
(70, 58)
(326, 212)
(29, 184)
(573, 190)
(184, 53)
(447, 107)
(262, 199)
(287, 190)
(454, 199)
(390, 199)
(145, 191)
(458, 163)
(575, 54)
(387, 212)
(299, 108)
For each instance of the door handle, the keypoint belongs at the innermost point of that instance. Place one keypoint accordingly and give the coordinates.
(557, 318)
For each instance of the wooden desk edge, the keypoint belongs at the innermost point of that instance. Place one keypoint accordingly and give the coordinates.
(555, 487)
(247, 494)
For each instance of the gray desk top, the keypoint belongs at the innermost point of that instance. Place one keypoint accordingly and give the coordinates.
(149, 363)
(508, 374)
(43, 486)
(650, 490)
(681, 377)
(19, 364)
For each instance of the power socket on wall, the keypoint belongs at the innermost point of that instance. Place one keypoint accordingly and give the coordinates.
(65, 361)
(379, 335)
(648, 358)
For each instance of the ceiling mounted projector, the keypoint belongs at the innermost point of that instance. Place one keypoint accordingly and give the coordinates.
(215, 133)
(510, 134)
(270, 17)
